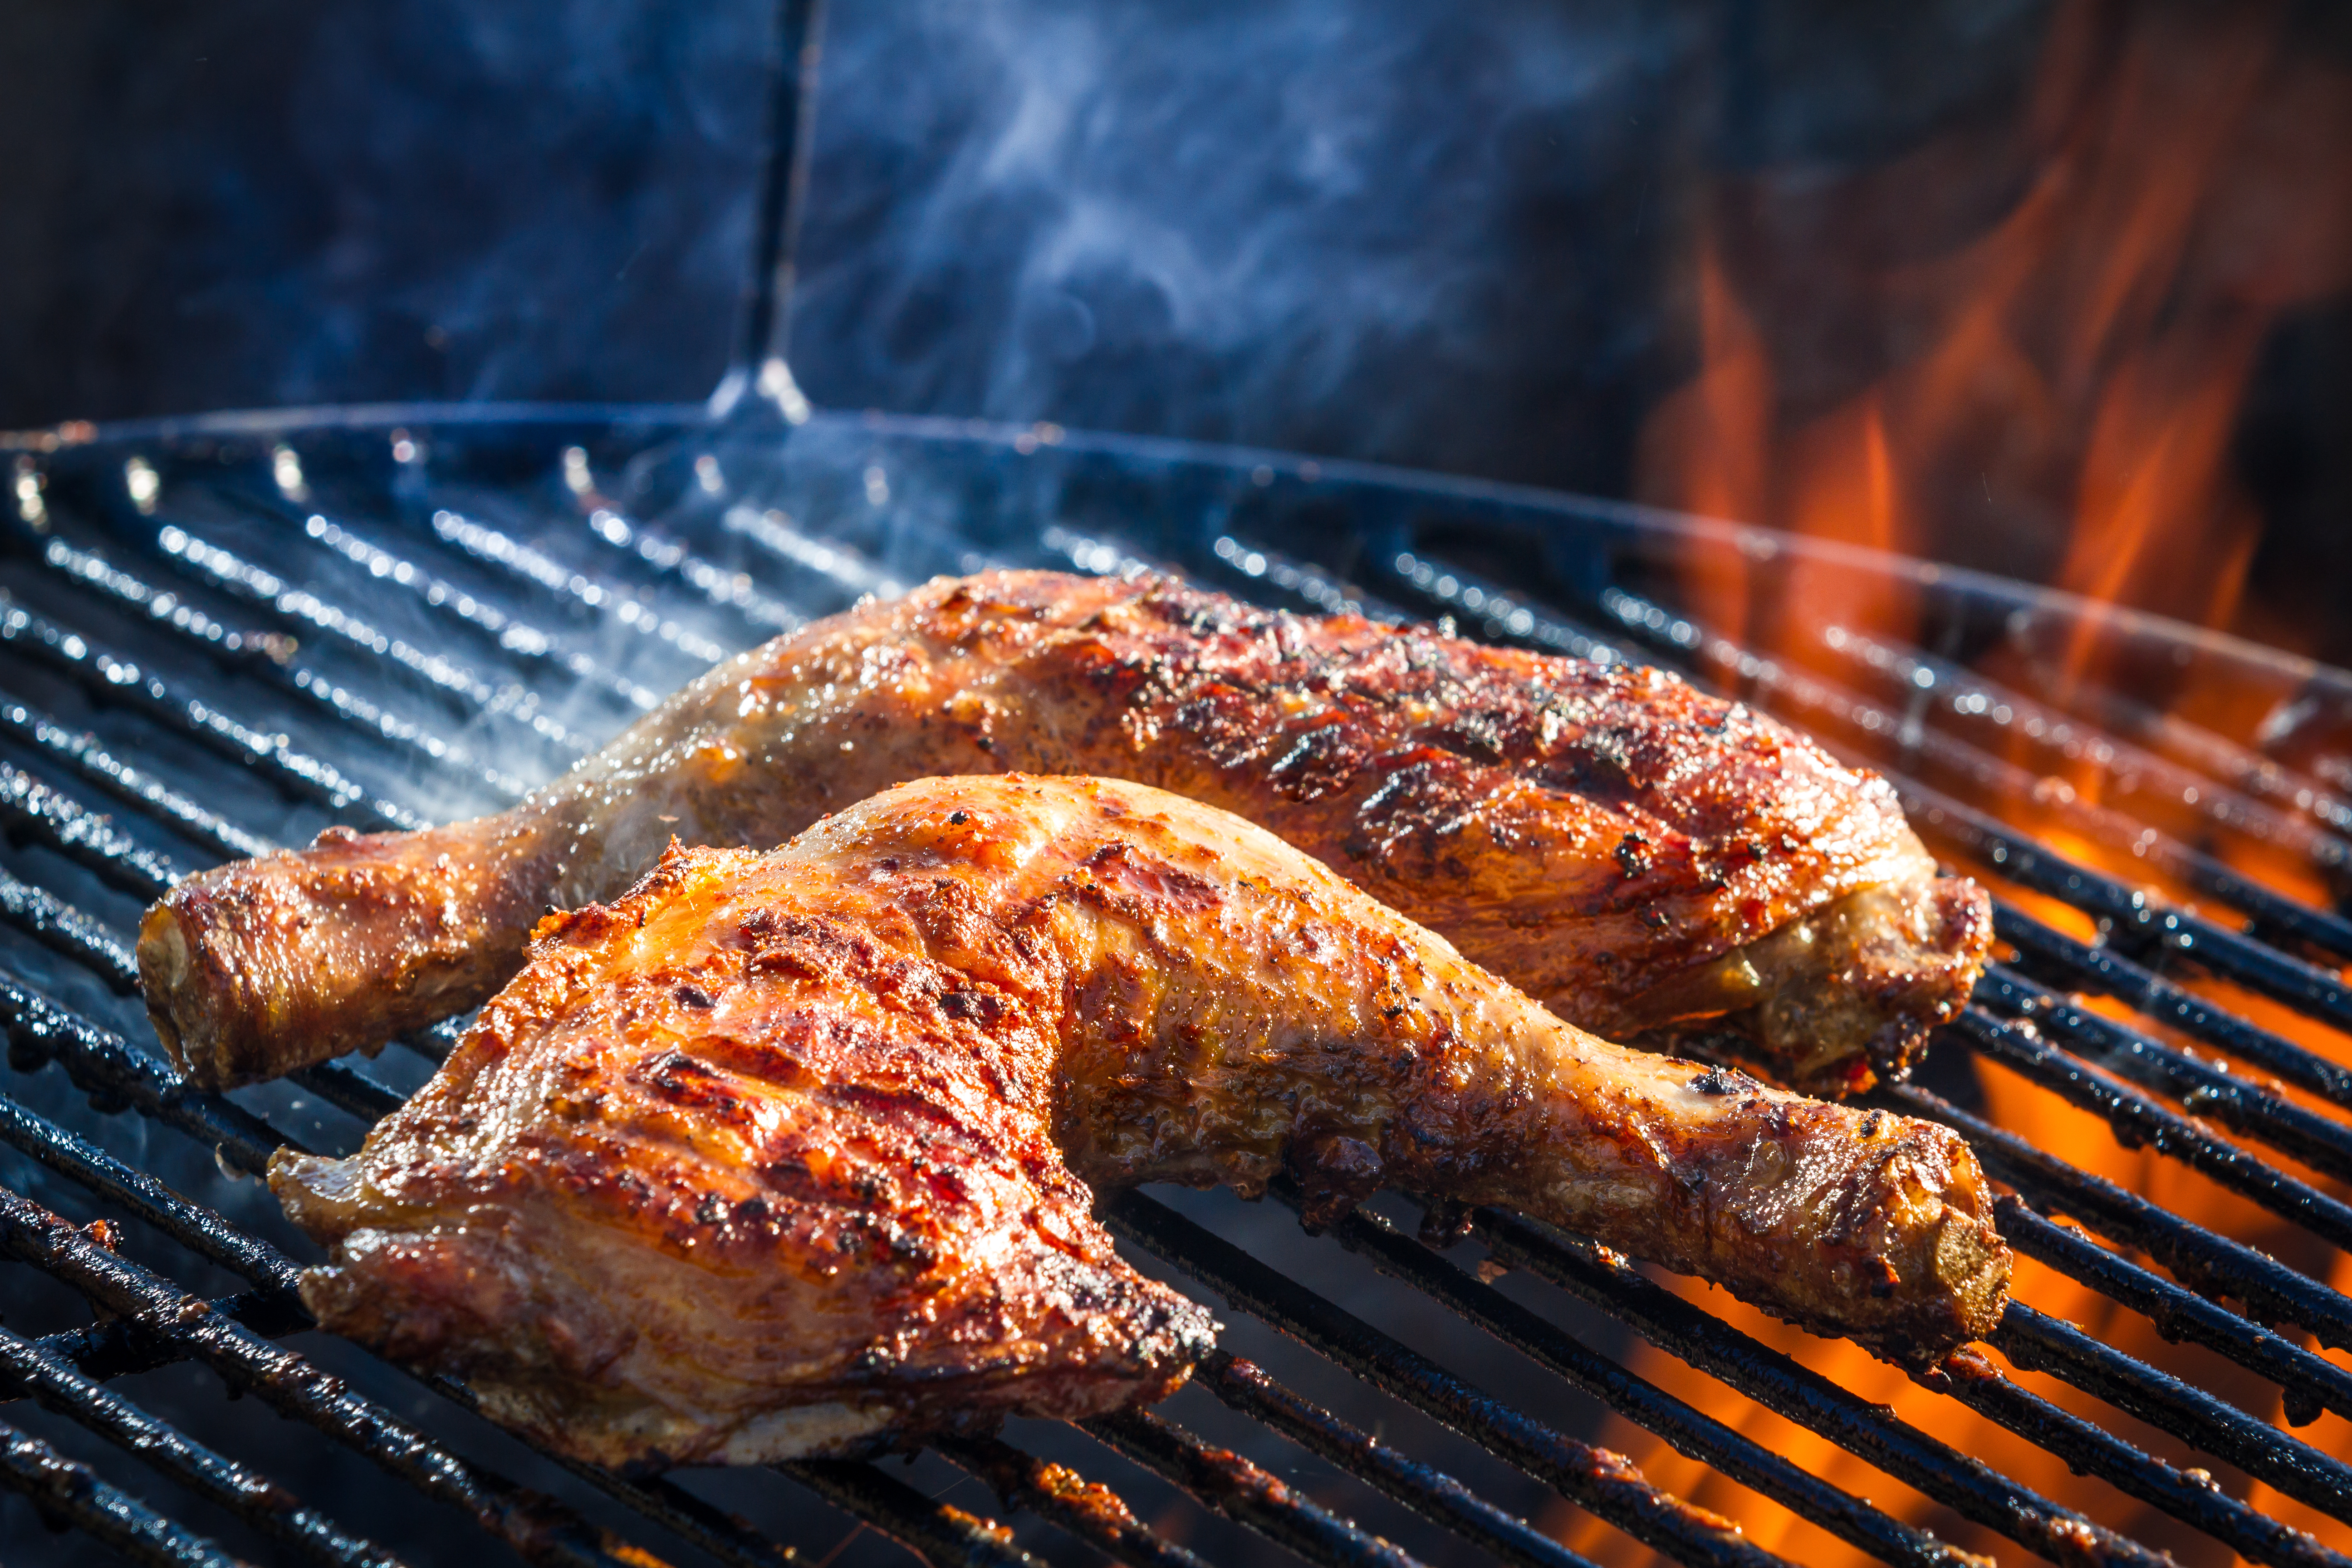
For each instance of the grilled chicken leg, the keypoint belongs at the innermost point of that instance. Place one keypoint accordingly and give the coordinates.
(1626, 850)
(788, 1154)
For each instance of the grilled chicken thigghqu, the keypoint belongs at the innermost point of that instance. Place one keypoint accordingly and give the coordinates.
(1630, 851)
(790, 1153)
